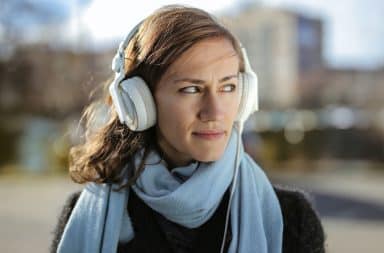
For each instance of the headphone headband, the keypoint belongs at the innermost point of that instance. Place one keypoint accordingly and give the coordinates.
(135, 105)
(118, 62)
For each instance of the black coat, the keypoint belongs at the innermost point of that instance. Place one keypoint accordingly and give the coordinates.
(303, 232)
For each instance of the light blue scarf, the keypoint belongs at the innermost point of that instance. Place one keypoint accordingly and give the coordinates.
(188, 196)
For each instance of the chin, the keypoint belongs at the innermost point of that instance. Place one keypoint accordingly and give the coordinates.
(209, 157)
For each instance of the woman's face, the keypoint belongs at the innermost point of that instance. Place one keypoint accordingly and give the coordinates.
(197, 101)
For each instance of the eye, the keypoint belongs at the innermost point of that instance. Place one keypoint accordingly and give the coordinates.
(190, 89)
(229, 88)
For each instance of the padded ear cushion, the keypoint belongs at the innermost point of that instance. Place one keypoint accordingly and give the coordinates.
(138, 103)
(249, 91)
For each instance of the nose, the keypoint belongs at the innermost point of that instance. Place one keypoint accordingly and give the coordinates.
(212, 108)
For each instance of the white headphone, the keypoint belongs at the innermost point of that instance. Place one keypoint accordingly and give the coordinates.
(134, 102)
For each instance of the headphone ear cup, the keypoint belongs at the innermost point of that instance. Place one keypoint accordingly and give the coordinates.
(249, 95)
(135, 102)
(249, 101)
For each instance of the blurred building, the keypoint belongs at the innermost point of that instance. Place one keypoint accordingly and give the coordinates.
(45, 81)
(354, 87)
(285, 49)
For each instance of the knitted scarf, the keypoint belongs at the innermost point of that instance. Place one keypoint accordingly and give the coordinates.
(187, 195)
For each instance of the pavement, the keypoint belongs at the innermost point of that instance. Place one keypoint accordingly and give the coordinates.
(350, 203)
(29, 211)
(340, 194)
(350, 206)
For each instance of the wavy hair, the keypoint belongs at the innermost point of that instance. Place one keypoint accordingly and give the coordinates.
(106, 155)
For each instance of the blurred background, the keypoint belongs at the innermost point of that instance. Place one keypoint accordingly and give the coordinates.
(320, 128)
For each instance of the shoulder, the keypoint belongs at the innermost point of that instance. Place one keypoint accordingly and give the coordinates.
(63, 218)
(303, 231)
(293, 198)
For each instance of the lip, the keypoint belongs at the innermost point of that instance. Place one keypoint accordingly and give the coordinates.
(209, 135)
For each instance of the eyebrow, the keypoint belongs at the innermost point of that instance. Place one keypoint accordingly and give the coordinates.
(198, 81)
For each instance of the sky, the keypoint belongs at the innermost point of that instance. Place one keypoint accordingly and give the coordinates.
(353, 29)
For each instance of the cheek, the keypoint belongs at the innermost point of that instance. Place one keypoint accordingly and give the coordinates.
(172, 114)
(233, 108)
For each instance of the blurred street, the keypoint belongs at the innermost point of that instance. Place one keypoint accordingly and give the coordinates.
(29, 211)
(350, 203)
(32, 203)
(320, 127)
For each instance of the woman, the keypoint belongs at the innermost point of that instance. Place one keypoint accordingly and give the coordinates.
(167, 171)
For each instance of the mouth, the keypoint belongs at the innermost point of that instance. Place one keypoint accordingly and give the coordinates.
(209, 135)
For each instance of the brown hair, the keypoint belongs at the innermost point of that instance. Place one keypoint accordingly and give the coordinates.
(160, 40)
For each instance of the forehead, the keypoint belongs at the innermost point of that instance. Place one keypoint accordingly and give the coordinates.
(213, 54)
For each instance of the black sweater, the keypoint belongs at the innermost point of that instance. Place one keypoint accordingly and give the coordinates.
(303, 232)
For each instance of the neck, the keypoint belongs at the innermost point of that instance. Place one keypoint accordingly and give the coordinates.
(169, 162)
